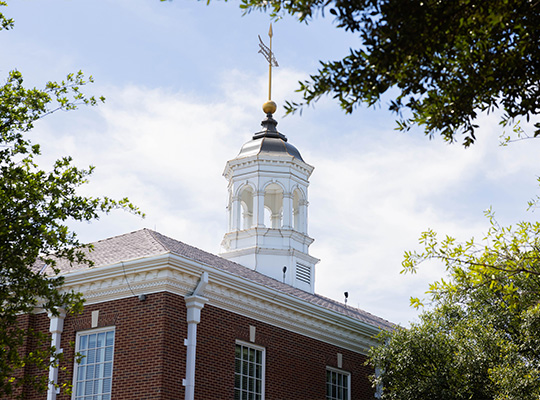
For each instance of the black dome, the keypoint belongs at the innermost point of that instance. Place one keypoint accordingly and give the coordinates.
(268, 141)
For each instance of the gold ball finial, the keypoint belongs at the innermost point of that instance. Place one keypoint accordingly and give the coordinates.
(269, 107)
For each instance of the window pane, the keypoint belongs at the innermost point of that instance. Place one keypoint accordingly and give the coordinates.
(100, 386)
(88, 388)
(83, 343)
(107, 370)
(100, 355)
(98, 371)
(89, 372)
(107, 385)
(92, 341)
(83, 357)
(110, 338)
(258, 372)
(108, 354)
(91, 357)
(100, 339)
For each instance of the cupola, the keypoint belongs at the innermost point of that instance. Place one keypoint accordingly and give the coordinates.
(268, 207)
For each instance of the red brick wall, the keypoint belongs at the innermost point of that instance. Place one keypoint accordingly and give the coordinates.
(149, 354)
(295, 365)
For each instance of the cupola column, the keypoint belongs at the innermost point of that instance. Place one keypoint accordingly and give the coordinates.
(303, 216)
(287, 210)
(235, 218)
(259, 209)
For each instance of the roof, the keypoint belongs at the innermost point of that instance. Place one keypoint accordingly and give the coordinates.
(268, 145)
(147, 243)
(269, 141)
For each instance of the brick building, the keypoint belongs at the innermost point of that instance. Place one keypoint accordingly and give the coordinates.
(165, 320)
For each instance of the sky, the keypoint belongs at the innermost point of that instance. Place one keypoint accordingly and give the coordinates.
(184, 86)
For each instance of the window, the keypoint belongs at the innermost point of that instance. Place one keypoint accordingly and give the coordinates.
(338, 384)
(249, 372)
(93, 375)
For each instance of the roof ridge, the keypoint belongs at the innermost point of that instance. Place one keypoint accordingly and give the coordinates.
(122, 235)
(154, 235)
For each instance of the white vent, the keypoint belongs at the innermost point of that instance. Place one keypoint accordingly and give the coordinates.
(303, 273)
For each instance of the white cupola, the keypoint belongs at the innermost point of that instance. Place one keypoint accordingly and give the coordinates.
(267, 208)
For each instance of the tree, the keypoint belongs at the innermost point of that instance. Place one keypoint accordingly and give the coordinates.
(35, 206)
(441, 62)
(481, 339)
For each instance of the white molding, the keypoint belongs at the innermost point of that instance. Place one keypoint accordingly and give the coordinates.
(179, 275)
(260, 160)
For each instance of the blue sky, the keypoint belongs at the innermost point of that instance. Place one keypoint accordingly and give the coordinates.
(184, 87)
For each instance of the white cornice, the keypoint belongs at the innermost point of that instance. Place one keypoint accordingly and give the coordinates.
(268, 160)
(179, 275)
(271, 232)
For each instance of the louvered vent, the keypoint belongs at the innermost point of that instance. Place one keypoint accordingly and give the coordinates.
(303, 273)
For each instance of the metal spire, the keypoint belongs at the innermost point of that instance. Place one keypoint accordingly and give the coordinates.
(269, 55)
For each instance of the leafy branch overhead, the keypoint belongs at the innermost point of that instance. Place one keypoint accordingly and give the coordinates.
(440, 62)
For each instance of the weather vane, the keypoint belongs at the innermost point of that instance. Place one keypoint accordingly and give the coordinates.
(272, 62)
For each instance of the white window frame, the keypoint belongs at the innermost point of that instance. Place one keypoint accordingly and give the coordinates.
(263, 367)
(82, 363)
(348, 387)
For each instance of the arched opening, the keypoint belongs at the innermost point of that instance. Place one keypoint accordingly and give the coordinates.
(246, 202)
(273, 206)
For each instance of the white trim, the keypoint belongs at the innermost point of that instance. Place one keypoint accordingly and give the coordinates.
(178, 275)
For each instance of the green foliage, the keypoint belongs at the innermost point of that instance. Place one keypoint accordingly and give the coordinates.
(35, 206)
(442, 62)
(481, 338)
(5, 22)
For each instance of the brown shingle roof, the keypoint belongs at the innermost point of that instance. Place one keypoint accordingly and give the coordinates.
(145, 243)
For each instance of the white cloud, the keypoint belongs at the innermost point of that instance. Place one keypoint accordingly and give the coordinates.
(372, 193)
